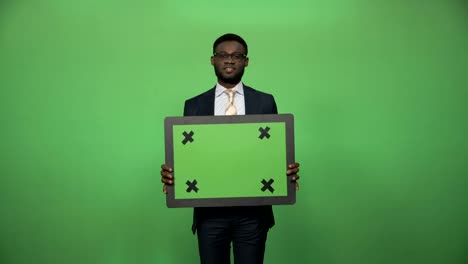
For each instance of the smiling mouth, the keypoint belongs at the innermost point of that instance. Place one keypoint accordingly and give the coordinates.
(229, 69)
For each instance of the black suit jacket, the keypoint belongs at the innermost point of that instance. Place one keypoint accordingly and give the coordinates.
(256, 103)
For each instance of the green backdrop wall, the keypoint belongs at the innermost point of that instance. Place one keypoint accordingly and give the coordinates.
(378, 89)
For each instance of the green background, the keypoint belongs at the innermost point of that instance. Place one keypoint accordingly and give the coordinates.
(378, 89)
(231, 150)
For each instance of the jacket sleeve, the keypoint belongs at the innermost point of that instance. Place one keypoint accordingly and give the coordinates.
(274, 109)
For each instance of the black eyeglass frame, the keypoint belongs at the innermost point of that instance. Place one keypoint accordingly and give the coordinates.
(232, 56)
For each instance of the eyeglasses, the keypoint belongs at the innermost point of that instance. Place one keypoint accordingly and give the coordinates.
(233, 56)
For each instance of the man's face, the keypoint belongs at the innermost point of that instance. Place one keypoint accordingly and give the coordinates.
(229, 62)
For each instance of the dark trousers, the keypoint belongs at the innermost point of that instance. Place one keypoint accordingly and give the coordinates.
(246, 230)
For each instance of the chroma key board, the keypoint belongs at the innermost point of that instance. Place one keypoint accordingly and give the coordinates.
(230, 160)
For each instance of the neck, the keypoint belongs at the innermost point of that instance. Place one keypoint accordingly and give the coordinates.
(227, 85)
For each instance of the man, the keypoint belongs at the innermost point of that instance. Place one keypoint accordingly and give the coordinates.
(247, 226)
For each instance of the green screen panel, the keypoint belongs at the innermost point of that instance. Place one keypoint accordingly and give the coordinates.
(226, 155)
(230, 160)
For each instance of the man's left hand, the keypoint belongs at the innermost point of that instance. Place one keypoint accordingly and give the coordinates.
(292, 171)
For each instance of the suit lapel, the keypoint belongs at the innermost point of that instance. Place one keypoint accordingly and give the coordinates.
(207, 105)
(249, 96)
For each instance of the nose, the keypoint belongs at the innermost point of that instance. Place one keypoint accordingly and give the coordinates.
(230, 60)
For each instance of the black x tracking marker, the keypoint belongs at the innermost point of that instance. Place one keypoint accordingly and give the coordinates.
(188, 137)
(192, 186)
(267, 185)
(264, 132)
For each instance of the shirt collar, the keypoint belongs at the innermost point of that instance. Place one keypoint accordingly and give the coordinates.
(220, 89)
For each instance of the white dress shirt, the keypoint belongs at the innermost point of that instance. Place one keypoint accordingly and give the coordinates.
(221, 99)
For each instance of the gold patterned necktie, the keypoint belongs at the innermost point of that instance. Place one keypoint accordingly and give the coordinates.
(230, 108)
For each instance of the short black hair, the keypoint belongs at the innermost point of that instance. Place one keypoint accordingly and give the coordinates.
(230, 37)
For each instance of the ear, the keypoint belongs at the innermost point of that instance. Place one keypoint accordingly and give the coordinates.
(212, 60)
(246, 62)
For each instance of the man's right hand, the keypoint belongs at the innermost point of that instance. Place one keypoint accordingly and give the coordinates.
(166, 176)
